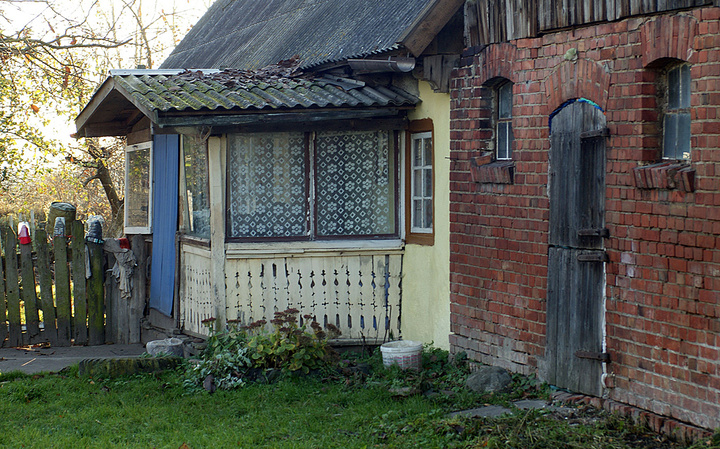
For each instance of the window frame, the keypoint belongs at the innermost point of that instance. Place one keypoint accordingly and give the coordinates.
(147, 229)
(414, 235)
(502, 86)
(185, 227)
(310, 173)
(683, 109)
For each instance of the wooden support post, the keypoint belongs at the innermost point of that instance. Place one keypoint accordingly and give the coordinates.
(29, 296)
(79, 283)
(45, 281)
(137, 300)
(11, 288)
(95, 295)
(62, 291)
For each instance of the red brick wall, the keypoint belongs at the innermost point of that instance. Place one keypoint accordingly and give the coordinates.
(663, 278)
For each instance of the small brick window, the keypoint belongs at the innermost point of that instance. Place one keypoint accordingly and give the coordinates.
(676, 117)
(503, 121)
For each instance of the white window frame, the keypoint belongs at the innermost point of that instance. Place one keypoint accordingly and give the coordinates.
(503, 154)
(681, 109)
(428, 165)
(139, 229)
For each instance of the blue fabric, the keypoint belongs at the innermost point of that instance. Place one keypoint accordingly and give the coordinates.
(166, 155)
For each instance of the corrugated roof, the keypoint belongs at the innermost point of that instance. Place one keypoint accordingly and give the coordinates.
(249, 34)
(234, 90)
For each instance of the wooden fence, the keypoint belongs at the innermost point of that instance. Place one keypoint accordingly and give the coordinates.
(46, 295)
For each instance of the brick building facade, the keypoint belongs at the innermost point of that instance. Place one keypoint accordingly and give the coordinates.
(660, 305)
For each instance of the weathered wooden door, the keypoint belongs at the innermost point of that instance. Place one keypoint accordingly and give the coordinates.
(576, 262)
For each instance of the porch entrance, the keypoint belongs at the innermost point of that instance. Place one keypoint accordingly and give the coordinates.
(576, 262)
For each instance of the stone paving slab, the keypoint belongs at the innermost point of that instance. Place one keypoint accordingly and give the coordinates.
(54, 359)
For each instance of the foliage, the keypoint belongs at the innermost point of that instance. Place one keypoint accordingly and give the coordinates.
(66, 411)
(291, 347)
(52, 55)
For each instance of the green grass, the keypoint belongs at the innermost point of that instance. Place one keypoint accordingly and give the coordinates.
(156, 411)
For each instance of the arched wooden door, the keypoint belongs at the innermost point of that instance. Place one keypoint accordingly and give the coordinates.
(576, 259)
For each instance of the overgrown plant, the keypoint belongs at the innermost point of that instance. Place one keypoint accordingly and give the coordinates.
(292, 346)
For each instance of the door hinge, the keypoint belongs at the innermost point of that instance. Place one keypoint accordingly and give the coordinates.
(604, 132)
(601, 232)
(599, 356)
(593, 256)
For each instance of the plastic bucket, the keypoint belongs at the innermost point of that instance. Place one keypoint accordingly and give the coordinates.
(407, 354)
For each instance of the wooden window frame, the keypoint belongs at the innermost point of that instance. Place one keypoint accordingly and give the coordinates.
(139, 229)
(683, 108)
(311, 198)
(497, 89)
(417, 127)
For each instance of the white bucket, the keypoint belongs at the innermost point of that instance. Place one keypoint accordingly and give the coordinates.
(404, 353)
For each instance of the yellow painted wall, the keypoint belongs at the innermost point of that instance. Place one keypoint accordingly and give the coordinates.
(426, 269)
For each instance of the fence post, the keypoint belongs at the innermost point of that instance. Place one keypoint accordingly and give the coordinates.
(32, 318)
(45, 281)
(95, 294)
(62, 290)
(11, 288)
(79, 282)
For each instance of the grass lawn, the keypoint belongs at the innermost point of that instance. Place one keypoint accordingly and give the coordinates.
(157, 411)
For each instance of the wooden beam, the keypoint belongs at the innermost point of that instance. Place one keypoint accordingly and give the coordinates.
(313, 115)
(424, 30)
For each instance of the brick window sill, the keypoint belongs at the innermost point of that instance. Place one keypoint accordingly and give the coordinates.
(483, 171)
(665, 175)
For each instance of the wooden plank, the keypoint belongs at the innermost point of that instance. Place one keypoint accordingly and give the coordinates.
(3, 303)
(96, 295)
(137, 298)
(29, 296)
(12, 289)
(62, 291)
(45, 281)
(116, 321)
(79, 283)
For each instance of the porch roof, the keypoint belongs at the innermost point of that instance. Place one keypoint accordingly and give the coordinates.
(175, 98)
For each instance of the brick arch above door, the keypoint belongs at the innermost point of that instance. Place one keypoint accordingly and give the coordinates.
(577, 79)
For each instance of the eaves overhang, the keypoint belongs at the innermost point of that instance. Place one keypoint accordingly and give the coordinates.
(226, 98)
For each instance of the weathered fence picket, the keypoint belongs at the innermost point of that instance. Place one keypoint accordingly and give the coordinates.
(46, 293)
(12, 289)
(74, 306)
(96, 296)
(79, 283)
(62, 291)
(29, 296)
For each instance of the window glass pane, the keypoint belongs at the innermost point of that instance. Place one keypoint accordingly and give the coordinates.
(417, 214)
(428, 213)
(502, 143)
(683, 143)
(670, 136)
(427, 183)
(267, 185)
(427, 144)
(137, 191)
(355, 183)
(197, 187)
(505, 101)
(417, 153)
(673, 79)
(510, 140)
(685, 86)
(417, 183)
